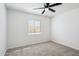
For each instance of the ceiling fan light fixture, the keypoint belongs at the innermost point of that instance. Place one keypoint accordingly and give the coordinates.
(46, 9)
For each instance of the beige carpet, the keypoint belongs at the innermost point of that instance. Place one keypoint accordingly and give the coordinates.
(43, 49)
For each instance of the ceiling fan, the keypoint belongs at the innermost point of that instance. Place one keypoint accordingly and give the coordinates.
(48, 6)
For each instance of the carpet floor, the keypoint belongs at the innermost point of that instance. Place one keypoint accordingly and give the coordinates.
(43, 49)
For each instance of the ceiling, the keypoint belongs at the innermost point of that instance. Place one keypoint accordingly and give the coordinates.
(29, 7)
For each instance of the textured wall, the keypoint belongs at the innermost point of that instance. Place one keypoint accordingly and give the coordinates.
(18, 31)
(3, 29)
(65, 28)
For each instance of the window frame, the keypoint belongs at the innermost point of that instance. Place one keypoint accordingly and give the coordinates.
(31, 33)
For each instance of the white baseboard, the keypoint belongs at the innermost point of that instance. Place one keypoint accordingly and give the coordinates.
(65, 44)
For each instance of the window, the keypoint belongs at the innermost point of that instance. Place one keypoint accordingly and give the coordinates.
(34, 27)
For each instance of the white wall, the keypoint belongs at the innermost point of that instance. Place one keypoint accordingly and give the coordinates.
(17, 29)
(3, 29)
(65, 29)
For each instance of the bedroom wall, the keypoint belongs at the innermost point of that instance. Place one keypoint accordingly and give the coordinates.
(3, 29)
(17, 29)
(65, 28)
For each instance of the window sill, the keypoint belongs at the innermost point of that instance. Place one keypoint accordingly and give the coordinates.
(32, 33)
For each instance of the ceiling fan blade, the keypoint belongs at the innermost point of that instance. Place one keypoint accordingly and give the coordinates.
(55, 4)
(51, 10)
(43, 11)
(39, 8)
